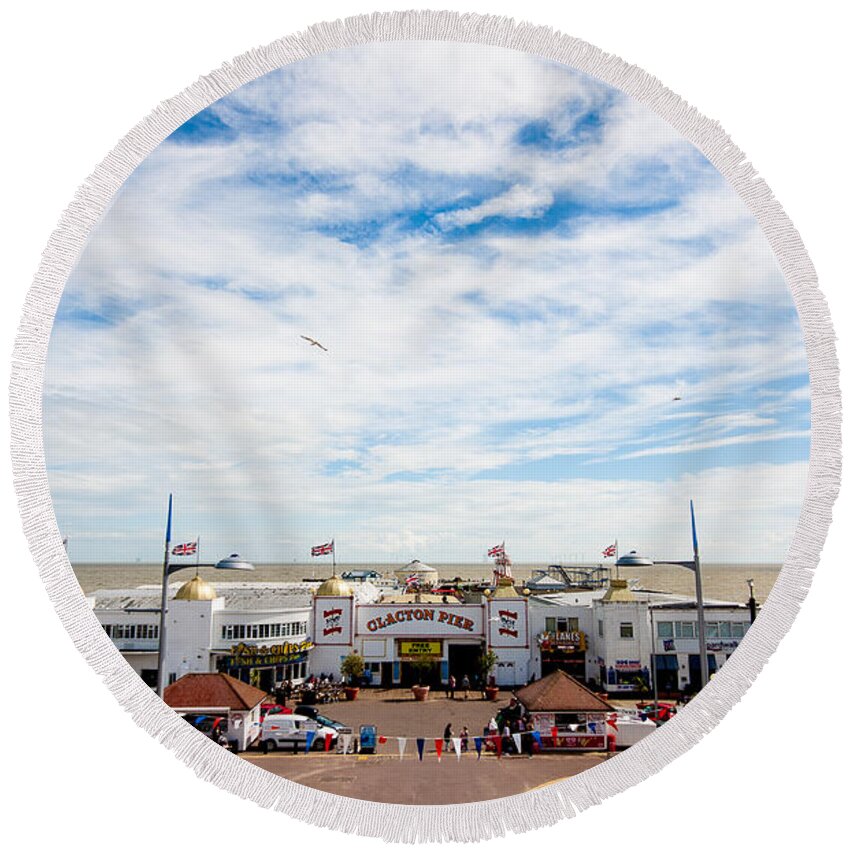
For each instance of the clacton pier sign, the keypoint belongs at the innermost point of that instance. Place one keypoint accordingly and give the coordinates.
(425, 620)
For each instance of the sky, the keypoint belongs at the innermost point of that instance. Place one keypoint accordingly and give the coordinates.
(515, 269)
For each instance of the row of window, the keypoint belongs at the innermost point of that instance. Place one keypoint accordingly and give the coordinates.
(688, 629)
(134, 631)
(685, 629)
(263, 631)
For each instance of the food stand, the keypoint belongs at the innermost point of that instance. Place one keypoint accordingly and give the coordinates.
(568, 716)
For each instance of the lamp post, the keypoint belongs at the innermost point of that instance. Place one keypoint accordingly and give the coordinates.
(751, 602)
(634, 560)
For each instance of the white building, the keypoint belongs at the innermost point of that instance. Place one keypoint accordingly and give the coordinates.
(259, 633)
(618, 636)
(265, 633)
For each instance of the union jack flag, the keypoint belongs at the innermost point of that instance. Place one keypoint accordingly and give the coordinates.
(323, 549)
(609, 551)
(496, 551)
(412, 580)
(185, 548)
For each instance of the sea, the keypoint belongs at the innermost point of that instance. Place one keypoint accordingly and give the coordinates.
(726, 582)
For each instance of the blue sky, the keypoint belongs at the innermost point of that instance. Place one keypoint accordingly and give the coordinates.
(514, 276)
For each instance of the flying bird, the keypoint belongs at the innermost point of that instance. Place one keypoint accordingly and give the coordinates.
(677, 398)
(313, 342)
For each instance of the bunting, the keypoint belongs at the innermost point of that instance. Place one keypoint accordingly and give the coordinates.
(402, 743)
(478, 744)
(311, 736)
(438, 744)
(456, 743)
(420, 746)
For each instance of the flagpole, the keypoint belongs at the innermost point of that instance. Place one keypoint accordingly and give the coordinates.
(197, 553)
(333, 552)
(163, 608)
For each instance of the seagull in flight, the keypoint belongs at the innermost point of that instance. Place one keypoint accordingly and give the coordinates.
(677, 398)
(313, 342)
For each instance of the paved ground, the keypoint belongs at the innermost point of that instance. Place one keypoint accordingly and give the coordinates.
(385, 778)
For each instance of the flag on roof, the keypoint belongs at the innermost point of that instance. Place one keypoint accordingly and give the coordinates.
(323, 549)
(496, 551)
(609, 551)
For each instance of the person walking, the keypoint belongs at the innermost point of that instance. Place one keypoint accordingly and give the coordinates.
(447, 736)
(464, 740)
(452, 686)
(465, 684)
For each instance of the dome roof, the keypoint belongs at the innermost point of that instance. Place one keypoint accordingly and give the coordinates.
(504, 588)
(618, 591)
(334, 586)
(196, 590)
(416, 568)
(234, 562)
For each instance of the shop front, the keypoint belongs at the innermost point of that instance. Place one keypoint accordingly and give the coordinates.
(267, 666)
(563, 650)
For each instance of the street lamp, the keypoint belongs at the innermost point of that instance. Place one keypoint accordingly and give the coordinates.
(635, 560)
(234, 562)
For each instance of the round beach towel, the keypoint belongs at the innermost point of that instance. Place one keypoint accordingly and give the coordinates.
(423, 411)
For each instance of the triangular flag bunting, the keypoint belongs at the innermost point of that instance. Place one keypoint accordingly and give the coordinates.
(498, 742)
(382, 739)
(456, 745)
(328, 742)
(554, 736)
(537, 738)
(438, 743)
(517, 736)
(478, 744)
(311, 736)
(420, 746)
(402, 743)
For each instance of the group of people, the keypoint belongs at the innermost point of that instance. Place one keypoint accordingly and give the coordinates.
(504, 725)
(452, 686)
(448, 734)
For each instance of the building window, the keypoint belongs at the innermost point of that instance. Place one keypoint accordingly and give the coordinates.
(685, 630)
(627, 630)
(738, 630)
(550, 624)
(665, 629)
(600, 629)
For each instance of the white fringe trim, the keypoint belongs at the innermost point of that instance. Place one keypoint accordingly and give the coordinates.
(473, 821)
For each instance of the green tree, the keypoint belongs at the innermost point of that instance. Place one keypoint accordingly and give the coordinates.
(352, 667)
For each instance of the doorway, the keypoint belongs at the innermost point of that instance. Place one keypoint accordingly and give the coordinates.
(464, 660)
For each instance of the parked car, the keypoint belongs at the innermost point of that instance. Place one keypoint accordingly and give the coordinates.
(279, 731)
(273, 708)
(313, 713)
(210, 724)
(666, 710)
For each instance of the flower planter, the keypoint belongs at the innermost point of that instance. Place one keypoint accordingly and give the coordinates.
(420, 692)
(351, 693)
(491, 692)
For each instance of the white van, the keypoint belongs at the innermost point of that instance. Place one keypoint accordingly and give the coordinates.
(290, 731)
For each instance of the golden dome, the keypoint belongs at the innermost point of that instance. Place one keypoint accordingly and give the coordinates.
(618, 591)
(334, 586)
(196, 590)
(504, 588)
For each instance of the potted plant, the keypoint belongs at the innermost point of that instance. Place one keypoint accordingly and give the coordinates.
(352, 668)
(421, 668)
(486, 664)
